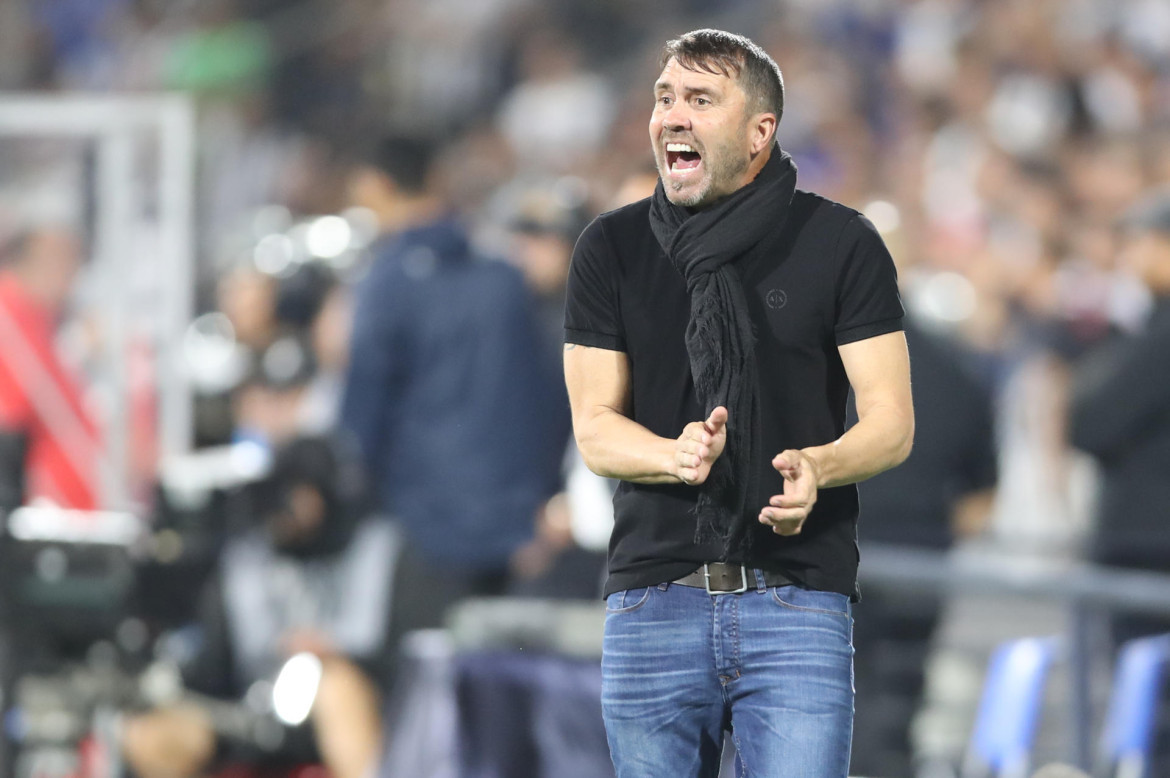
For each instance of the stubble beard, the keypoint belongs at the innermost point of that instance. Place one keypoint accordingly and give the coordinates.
(720, 169)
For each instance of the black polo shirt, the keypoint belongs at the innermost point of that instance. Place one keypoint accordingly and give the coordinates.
(825, 280)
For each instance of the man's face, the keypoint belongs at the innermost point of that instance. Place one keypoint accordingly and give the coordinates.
(700, 134)
(295, 524)
(51, 261)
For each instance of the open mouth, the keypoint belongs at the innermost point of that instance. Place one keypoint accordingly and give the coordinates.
(682, 157)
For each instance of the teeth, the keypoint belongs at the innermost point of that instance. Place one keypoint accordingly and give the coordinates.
(678, 147)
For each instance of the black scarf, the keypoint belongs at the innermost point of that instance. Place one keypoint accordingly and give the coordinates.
(704, 247)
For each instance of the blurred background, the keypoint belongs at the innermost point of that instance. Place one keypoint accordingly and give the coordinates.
(242, 534)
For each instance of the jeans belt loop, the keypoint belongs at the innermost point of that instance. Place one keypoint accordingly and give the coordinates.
(743, 581)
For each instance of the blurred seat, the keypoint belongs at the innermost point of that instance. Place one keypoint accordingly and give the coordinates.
(1128, 733)
(421, 717)
(1009, 710)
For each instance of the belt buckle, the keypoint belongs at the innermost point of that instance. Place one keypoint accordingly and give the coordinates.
(743, 581)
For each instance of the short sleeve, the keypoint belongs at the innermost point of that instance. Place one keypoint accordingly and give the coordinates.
(592, 306)
(868, 302)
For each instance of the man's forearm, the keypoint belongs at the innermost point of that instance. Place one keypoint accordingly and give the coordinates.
(615, 446)
(879, 441)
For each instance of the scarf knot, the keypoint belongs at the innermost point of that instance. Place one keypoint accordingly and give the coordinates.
(705, 246)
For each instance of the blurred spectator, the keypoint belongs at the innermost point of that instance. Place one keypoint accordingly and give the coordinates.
(270, 403)
(39, 397)
(1120, 414)
(445, 61)
(557, 117)
(567, 557)
(445, 389)
(1121, 411)
(247, 296)
(314, 303)
(313, 576)
(543, 231)
(329, 333)
(288, 339)
(942, 491)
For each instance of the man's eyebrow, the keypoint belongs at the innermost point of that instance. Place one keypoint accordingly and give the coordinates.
(666, 86)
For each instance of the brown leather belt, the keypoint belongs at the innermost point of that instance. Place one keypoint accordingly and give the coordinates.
(727, 578)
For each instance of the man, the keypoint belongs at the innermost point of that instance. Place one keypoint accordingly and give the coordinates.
(943, 492)
(40, 399)
(445, 392)
(312, 574)
(1120, 413)
(712, 330)
(542, 232)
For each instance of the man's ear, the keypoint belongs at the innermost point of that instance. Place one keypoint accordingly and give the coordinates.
(763, 131)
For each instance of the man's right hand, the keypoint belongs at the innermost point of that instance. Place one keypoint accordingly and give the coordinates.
(699, 445)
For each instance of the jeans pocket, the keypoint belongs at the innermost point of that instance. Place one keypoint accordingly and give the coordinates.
(813, 601)
(627, 600)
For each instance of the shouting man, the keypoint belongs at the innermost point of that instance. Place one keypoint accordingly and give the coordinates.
(713, 332)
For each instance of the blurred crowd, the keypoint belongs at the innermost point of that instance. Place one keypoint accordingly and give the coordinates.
(389, 192)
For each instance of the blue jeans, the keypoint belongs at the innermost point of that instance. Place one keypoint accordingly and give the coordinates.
(775, 665)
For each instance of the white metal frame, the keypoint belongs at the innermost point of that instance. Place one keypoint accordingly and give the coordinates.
(118, 125)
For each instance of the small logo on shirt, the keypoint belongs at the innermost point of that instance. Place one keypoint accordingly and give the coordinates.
(776, 298)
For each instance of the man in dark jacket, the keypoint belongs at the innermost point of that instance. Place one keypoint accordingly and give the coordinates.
(1121, 415)
(455, 411)
(1121, 410)
(943, 490)
(311, 575)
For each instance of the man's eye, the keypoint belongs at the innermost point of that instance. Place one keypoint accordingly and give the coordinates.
(702, 101)
(664, 100)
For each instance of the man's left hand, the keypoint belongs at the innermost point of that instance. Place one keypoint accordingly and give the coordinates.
(785, 513)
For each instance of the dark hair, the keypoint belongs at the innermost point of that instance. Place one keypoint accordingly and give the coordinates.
(300, 296)
(406, 159)
(329, 466)
(734, 56)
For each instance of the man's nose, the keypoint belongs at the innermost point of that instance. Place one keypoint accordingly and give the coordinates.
(677, 117)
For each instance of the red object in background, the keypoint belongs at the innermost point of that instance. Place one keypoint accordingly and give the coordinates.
(142, 397)
(40, 398)
(93, 759)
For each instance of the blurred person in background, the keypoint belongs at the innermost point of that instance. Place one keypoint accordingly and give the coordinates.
(942, 492)
(573, 528)
(313, 574)
(247, 296)
(40, 398)
(314, 303)
(268, 405)
(557, 116)
(289, 325)
(731, 297)
(542, 232)
(446, 391)
(1120, 413)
